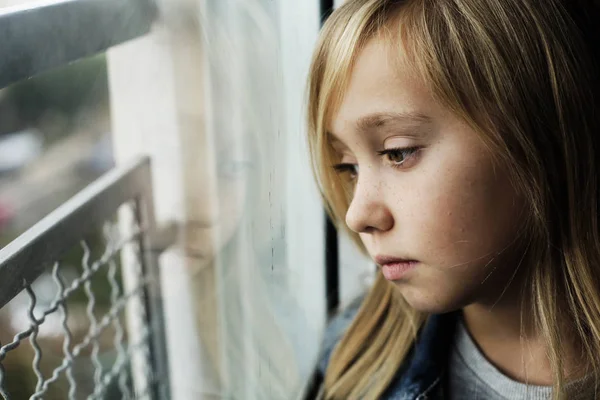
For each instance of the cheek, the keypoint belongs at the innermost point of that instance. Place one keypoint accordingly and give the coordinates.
(461, 219)
(466, 211)
(232, 198)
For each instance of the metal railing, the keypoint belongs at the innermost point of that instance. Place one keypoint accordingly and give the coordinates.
(130, 325)
(41, 35)
(80, 291)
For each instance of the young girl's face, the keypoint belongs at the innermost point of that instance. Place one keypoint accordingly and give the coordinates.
(426, 189)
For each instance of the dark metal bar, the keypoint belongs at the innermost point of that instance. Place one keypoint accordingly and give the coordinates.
(39, 36)
(153, 294)
(332, 264)
(26, 257)
(326, 9)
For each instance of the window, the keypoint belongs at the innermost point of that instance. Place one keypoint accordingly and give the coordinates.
(213, 92)
(216, 96)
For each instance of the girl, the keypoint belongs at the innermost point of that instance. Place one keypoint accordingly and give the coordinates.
(457, 139)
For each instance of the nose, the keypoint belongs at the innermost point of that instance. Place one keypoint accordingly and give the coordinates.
(204, 196)
(368, 211)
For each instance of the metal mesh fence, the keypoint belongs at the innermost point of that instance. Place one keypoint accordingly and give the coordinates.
(81, 329)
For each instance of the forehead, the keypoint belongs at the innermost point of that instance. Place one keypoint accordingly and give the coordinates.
(381, 84)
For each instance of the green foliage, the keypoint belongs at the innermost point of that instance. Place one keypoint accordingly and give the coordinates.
(64, 89)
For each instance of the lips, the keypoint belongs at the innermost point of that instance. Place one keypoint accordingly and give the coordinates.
(382, 260)
(395, 268)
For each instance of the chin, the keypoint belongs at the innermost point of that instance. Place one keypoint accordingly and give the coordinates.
(432, 301)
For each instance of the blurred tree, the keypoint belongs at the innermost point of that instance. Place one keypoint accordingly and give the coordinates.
(63, 91)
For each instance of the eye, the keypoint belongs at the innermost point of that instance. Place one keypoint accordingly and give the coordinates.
(232, 169)
(399, 156)
(351, 170)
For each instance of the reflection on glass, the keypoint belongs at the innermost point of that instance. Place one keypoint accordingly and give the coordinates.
(249, 323)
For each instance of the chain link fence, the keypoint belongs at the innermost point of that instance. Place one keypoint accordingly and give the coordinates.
(80, 296)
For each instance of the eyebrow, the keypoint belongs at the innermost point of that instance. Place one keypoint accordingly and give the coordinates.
(381, 119)
(378, 120)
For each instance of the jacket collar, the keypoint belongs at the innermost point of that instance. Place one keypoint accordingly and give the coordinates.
(422, 374)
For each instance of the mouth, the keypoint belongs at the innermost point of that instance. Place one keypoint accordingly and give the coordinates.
(394, 268)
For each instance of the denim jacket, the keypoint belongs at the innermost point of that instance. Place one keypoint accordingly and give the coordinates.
(421, 377)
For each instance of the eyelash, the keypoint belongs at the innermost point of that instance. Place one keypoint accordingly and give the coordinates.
(406, 152)
(346, 168)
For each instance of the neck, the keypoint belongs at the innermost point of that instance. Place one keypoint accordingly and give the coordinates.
(505, 331)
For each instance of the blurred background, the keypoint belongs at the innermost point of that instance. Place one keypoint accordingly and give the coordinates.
(55, 139)
(214, 95)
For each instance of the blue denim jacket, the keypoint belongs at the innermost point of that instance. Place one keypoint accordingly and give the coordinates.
(421, 377)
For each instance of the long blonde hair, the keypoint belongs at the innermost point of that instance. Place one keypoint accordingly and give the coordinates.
(523, 74)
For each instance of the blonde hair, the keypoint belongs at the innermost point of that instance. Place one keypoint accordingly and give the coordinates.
(524, 76)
